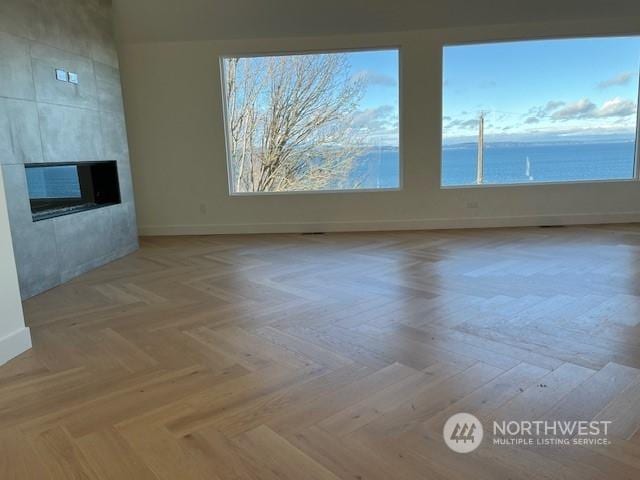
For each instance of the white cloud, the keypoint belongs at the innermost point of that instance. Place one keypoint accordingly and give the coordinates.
(373, 118)
(616, 107)
(580, 109)
(379, 124)
(463, 124)
(621, 79)
(543, 111)
(373, 78)
(585, 108)
(552, 105)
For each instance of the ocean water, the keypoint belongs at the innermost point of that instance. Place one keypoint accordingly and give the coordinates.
(550, 162)
(506, 163)
(379, 168)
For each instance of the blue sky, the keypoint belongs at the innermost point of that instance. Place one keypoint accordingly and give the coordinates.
(382, 89)
(542, 90)
(376, 114)
(378, 109)
(538, 90)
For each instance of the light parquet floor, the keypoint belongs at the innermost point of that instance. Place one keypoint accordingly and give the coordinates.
(333, 356)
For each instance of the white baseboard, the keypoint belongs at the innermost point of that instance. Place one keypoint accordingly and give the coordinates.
(14, 344)
(386, 225)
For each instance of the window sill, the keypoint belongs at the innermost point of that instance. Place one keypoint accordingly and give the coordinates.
(539, 184)
(318, 192)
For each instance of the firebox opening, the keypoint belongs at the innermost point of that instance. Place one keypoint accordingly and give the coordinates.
(65, 188)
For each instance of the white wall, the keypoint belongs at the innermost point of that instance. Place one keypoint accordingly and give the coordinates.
(14, 336)
(176, 132)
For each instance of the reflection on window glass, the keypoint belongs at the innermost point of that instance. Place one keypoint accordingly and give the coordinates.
(540, 111)
(53, 182)
(312, 122)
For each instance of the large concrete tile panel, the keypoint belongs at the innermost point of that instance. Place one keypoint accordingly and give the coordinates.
(22, 17)
(60, 23)
(78, 26)
(15, 181)
(34, 243)
(84, 241)
(70, 134)
(126, 182)
(109, 88)
(65, 24)
(100, 25)
(114, 136)
(16, 79)
(125, 229)
(19, 132)
(48, 89)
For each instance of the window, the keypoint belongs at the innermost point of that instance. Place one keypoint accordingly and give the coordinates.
(312, 122)
(540, 111)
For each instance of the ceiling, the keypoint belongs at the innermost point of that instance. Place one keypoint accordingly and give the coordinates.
(174, 20)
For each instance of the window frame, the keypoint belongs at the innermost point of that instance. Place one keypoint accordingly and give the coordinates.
(636, 167)
(281, 53)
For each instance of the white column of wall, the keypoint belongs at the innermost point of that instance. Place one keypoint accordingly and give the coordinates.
(14, 336)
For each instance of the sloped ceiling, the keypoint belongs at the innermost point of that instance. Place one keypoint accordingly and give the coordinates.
(174, 20)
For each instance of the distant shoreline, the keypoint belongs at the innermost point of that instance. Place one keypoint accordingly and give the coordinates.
(511, 144)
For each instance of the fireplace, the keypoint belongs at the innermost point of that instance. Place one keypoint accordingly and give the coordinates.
(57, 189)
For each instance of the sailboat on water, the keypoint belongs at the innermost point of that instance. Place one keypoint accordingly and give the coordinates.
(480, 160)
(527, 170)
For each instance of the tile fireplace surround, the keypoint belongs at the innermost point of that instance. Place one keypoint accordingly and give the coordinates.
(43, 119)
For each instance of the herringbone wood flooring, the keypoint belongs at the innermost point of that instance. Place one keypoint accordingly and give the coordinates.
(333, 356)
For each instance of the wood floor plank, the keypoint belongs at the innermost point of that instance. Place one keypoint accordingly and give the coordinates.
(336, 356)
(384, 401)
(100, 448)
(337, 455)
(587, 400)
(167, 458)
(431, 400)
(281, 402)
(269, 452)
(114, 409)
(18, 458)
(61, 456)
(623, 412)
(337, 400)
(539, 398)
(484, 400)
(218, 449)
(214, 403)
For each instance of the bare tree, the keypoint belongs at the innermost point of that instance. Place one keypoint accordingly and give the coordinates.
(290, 122)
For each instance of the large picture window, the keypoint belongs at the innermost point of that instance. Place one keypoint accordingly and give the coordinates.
(540, 111)
(312, 122)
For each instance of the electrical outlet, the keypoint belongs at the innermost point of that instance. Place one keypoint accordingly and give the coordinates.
(61, 75)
